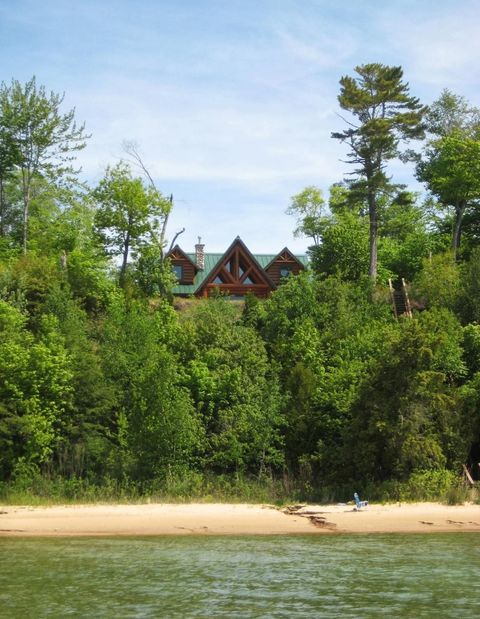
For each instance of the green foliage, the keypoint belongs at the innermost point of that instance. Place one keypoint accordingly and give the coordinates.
(154, 275)
(405, 240)
(404, 258)
(323, 349)
(285, 311)
(438, 283)
(469, 295)
(89, 280)
(157, 426)
(344, 249)
(406, 415)
(62, 252)
(471, 348)
(234, 389)
(35, 389)
(27, 282)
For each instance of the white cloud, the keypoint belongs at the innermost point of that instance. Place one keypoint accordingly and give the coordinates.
(438, 46)
(219, 138)
(232, 103)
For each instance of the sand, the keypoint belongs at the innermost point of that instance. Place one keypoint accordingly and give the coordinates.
(234, 519)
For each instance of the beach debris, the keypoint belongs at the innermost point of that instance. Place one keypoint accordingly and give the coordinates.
(424, 522)
(321, 521)
(312, 514)
(293, 509)
(468, 477)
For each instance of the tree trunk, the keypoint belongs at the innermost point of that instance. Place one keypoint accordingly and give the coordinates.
(2, 208)
(372, 214)
(26, 205)
(126, 250)
(457, 230)
(163, 231)
(25, 224)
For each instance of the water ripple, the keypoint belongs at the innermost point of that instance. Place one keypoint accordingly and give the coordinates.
(242, 577)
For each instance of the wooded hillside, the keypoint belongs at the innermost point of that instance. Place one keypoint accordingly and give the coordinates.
(318, 387)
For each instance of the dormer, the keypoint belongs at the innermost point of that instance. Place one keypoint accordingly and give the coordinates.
(283, 265)
(183, 266)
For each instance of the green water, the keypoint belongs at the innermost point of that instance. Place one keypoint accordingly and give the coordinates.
(305, 577)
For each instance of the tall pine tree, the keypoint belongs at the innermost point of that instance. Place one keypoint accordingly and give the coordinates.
(386, 116)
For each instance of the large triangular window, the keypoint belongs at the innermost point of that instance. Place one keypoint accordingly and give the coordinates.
(238, 272)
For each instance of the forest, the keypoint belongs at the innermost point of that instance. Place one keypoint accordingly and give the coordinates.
(110, 388)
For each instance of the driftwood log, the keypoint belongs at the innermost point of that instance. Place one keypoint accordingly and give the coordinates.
(314, 516)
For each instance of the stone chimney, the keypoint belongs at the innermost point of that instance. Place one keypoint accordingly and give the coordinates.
(199, 254)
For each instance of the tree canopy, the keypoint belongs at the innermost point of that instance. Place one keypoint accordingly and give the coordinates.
(128, 214)
(38, 139)
(450, 165)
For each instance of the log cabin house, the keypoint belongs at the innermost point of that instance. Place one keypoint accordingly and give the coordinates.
(235, 272)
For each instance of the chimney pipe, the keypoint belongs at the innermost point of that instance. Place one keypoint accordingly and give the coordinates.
(199, 254)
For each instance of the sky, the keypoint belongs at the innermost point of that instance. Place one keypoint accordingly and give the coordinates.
(232, 102)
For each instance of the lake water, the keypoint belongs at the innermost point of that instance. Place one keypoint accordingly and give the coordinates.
(242, 577)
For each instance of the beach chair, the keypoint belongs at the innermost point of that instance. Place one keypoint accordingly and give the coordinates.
(358, 503)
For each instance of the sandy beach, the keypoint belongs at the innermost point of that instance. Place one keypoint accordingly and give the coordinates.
(234, 519)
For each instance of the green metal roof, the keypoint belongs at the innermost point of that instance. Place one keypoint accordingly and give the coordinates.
(211, 260)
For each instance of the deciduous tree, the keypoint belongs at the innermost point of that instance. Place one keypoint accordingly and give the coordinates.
(43, 138)
(452, 113)
(451, 171)
(129, 213)
(309, 208)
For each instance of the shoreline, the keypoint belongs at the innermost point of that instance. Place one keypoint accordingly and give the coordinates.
(233, 519)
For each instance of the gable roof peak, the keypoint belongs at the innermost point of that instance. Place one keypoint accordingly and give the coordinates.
(178, 250)
(227, 255)
(281, 253)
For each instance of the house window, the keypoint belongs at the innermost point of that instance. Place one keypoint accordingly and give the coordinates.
(178, 271)
(285, 271)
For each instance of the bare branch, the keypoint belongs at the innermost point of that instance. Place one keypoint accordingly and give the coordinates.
(177, 234)
(163, 231)
(131, 148)
(347, 121)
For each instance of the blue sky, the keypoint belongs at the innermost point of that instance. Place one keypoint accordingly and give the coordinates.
(231, 102)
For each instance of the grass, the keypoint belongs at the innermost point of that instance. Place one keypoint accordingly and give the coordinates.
(186, 489)
(437, 486)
